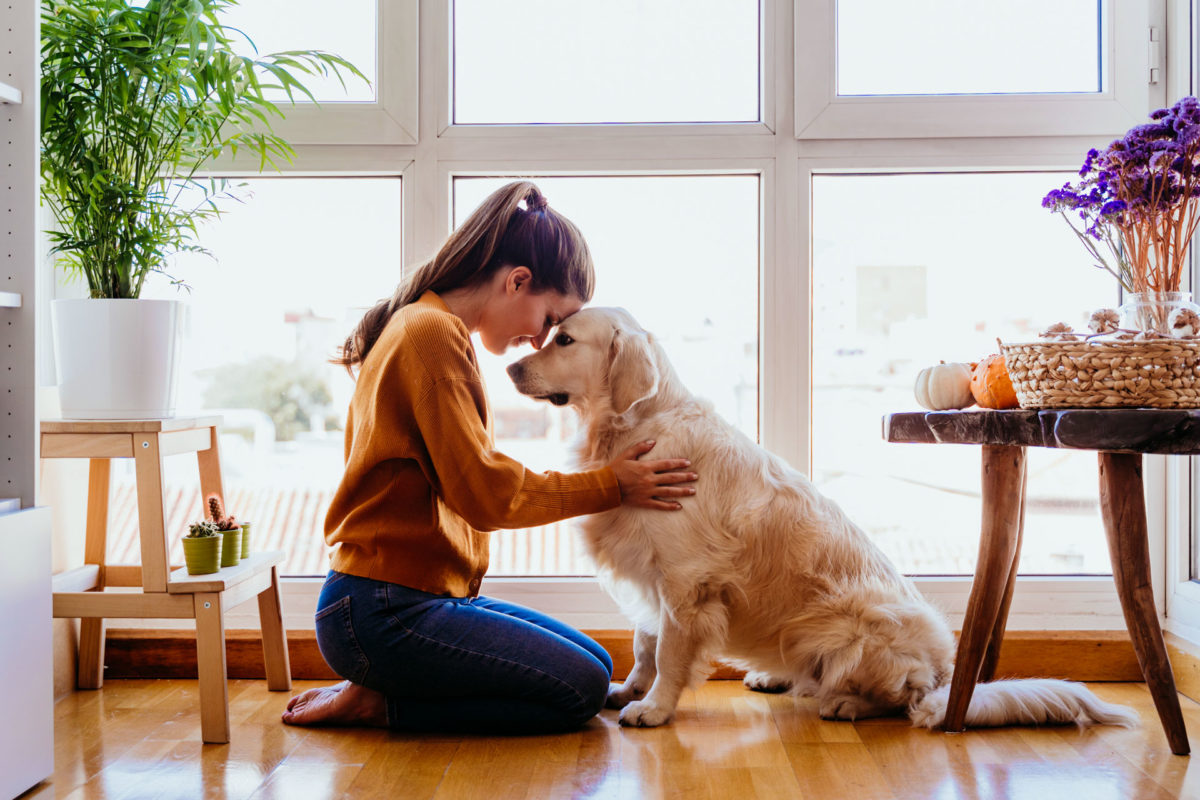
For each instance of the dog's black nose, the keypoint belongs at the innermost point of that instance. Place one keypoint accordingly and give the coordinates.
(516, 370)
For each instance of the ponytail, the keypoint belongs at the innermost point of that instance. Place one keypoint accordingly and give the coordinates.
(514, 226)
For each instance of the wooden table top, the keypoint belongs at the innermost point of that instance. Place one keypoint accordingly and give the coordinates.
(163, 425)
(1172, 431)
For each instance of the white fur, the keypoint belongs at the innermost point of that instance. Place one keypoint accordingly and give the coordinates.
(759, 569)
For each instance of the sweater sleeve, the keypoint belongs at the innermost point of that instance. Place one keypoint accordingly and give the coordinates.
(487, 488)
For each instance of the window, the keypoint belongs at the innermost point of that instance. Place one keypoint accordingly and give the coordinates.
(378, 36)
(697, 294)
(571, 61)
(942, 47)
(297, 262)
(281, 25)
(764, 184)
(874, 69)
(952, 262)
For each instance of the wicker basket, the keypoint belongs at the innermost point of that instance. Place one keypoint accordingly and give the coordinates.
(1157, 373)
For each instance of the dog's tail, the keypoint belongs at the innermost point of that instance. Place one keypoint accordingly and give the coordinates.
(1025, 702)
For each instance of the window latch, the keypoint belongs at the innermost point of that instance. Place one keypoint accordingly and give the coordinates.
(1154, 53)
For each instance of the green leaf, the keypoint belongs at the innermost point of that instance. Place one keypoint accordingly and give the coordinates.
(134, 96)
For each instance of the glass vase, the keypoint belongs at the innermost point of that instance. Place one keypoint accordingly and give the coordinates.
(1151, 311)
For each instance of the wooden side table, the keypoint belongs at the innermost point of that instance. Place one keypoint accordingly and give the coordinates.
(165, 591)
(1121, 436)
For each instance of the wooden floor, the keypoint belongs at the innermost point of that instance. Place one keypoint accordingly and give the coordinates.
(141, 739)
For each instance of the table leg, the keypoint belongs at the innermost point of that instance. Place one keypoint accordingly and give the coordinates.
(991, 658)
(210, 668)
(999, 544)
(152, 526)
(274, 638)
(209, 463)
(1123, 506)
(90, 674)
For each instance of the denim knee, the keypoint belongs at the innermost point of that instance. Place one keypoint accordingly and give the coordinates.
(592, 687)
(336, 638)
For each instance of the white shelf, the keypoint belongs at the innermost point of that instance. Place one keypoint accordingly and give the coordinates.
(10, 299)
(9, 94)
(27, 735)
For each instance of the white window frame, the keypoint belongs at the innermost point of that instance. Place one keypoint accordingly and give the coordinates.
(1176, 591)
(822, 114)
(1178, 595)
(785, 163)
(392, 118)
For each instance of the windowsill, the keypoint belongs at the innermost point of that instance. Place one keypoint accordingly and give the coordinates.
(1039, 603)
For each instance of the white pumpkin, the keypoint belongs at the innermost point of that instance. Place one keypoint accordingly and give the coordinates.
(945, 386)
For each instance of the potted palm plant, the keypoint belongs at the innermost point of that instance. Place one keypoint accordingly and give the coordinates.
(136, 98)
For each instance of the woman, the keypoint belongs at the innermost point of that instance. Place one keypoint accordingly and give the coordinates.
(400, 616)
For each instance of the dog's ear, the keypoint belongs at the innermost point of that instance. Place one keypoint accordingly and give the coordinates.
(632, 372)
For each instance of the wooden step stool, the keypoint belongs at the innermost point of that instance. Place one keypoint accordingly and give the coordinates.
(166, 592)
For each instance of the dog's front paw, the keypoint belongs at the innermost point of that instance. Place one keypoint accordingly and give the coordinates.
(642, 714)
(765, 682)
(847, 707)
(623, 695)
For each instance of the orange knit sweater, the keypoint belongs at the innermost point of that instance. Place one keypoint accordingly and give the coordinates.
(423, 481)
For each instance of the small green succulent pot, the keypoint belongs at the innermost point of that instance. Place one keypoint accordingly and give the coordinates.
(245, 540)
(231, 547)
(202, 554)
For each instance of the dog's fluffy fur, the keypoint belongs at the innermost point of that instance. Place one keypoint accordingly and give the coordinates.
(758, 570)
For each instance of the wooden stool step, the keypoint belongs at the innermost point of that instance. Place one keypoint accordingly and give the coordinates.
(165, 591)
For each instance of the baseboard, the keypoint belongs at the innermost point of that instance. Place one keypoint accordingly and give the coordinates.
(1185, 663)
(1076, 655)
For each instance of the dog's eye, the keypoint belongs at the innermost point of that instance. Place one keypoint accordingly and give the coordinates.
(562, 340)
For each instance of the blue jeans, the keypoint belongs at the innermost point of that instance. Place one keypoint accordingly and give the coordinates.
(460, 664)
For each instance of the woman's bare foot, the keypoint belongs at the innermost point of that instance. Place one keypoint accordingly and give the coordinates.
(344, 704)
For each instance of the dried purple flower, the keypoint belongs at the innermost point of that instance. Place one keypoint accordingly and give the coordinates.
(1138, 199)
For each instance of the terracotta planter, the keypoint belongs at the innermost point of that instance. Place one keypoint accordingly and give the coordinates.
(202, 554)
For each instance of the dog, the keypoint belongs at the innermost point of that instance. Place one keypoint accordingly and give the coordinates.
(758, 570)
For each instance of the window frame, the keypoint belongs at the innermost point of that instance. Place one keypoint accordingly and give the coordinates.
(392, 119)
(784, 153)
(822, 114)
(1177, 582)
(769, 12)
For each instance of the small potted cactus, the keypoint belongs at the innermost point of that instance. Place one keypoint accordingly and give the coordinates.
(202, 548)
(230, 530)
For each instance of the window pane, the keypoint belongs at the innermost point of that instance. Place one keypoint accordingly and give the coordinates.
(968, 47)
(574, 61)
(349, 31)
(697, 294)
(298, 261)
(950, 264)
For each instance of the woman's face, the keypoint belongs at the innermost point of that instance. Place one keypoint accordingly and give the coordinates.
(517, 315)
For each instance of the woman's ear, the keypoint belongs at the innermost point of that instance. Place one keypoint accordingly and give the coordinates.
(632, 373)
(518, 279)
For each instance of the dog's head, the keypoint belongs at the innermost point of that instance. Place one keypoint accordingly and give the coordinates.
(597, 355)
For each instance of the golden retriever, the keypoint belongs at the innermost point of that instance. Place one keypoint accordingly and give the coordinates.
(758, 570)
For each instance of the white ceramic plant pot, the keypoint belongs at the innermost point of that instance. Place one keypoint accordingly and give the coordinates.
(117, 359)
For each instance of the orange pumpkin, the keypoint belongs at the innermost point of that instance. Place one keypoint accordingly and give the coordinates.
(991, 386)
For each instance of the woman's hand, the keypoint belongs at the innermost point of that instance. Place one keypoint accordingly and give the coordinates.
(648, 484)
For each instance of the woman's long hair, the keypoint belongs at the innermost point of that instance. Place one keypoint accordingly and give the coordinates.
(513, 227)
